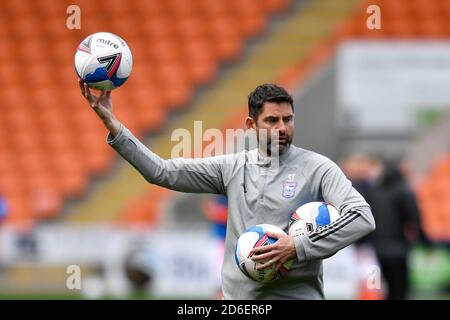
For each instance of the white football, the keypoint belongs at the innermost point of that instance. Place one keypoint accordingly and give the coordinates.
(311, 217)
(254, 237)
(104, 61)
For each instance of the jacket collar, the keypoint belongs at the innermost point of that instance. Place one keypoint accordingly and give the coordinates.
(265, 161)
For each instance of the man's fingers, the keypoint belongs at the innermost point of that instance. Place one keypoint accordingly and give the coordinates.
(103, 94)
(274, 235)
(108, 93)
(267, 264)
(88, 93)
(277, 267)
(262, 249)
(97, 100)
(262, 257)
(80, 83)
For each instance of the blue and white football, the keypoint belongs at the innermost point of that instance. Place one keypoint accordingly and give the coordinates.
(311, 217)
(256, 236)
(104, 61)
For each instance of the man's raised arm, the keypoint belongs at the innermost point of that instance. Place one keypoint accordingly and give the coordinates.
(187, 175)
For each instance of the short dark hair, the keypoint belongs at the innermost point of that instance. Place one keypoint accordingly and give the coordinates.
(267, 93)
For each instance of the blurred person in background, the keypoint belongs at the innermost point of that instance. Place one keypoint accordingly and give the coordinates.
(138, 270)
(395, 208)
(3, 209)
(362, 170)
(216, 211)
(3, 215)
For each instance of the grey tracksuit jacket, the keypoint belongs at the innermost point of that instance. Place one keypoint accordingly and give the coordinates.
(259, 192)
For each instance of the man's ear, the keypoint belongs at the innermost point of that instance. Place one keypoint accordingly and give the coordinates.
(250, 123)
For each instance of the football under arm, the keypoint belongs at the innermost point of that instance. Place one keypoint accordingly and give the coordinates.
(185, 175)
(356, 219)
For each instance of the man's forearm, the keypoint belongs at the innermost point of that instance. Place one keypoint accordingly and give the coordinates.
(325, 242)
(109, 121)
(112, 124)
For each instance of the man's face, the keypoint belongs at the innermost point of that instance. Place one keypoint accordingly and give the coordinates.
(274, 125)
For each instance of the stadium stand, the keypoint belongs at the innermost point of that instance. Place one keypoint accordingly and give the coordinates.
(57, 147)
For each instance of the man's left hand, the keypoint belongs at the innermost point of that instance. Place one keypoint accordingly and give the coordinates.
(274, 254)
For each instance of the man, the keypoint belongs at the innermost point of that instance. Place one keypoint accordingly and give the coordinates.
(394, 206)
(259, 192)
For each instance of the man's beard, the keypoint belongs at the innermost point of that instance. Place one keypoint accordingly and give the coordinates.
(276, 148)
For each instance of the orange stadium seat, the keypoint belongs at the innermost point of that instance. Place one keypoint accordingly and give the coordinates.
(93, 22)
(275, 6)
(37, 73)
(156, 29)
(10, 183)
(177, 96)
(402, 28)
(47, 9)
(42, 100)
(117, 9)
(222, 28)
(26, 28)
(142, 211)
(182, 9)
(424, 9)
(14, 77)
(245, 8)
(13, 8)
(32, 165)
(20, 215)
(213, 9)
(199, 62)
(132, 121)
(148, 105)
(148, 9)
(252, 25)
(224, 38)
(171, 74)
(445, 10)
(161, 53)
(26, 142)
(433, 28)
(52, 28)
(442, 167)
(201, 73)
(39, 180)
(131, 27)
(190, 29)
(62, 52)
(67, 79)
(7, 51)
(97, 163)
(46, 204)
(228, 50)
(394, 9)
(434, 196)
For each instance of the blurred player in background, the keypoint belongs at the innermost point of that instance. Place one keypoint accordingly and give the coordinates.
(216, 211)
(362, 170)
(3, 214)
(259, 192)
(3, 209)
(394, 206)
